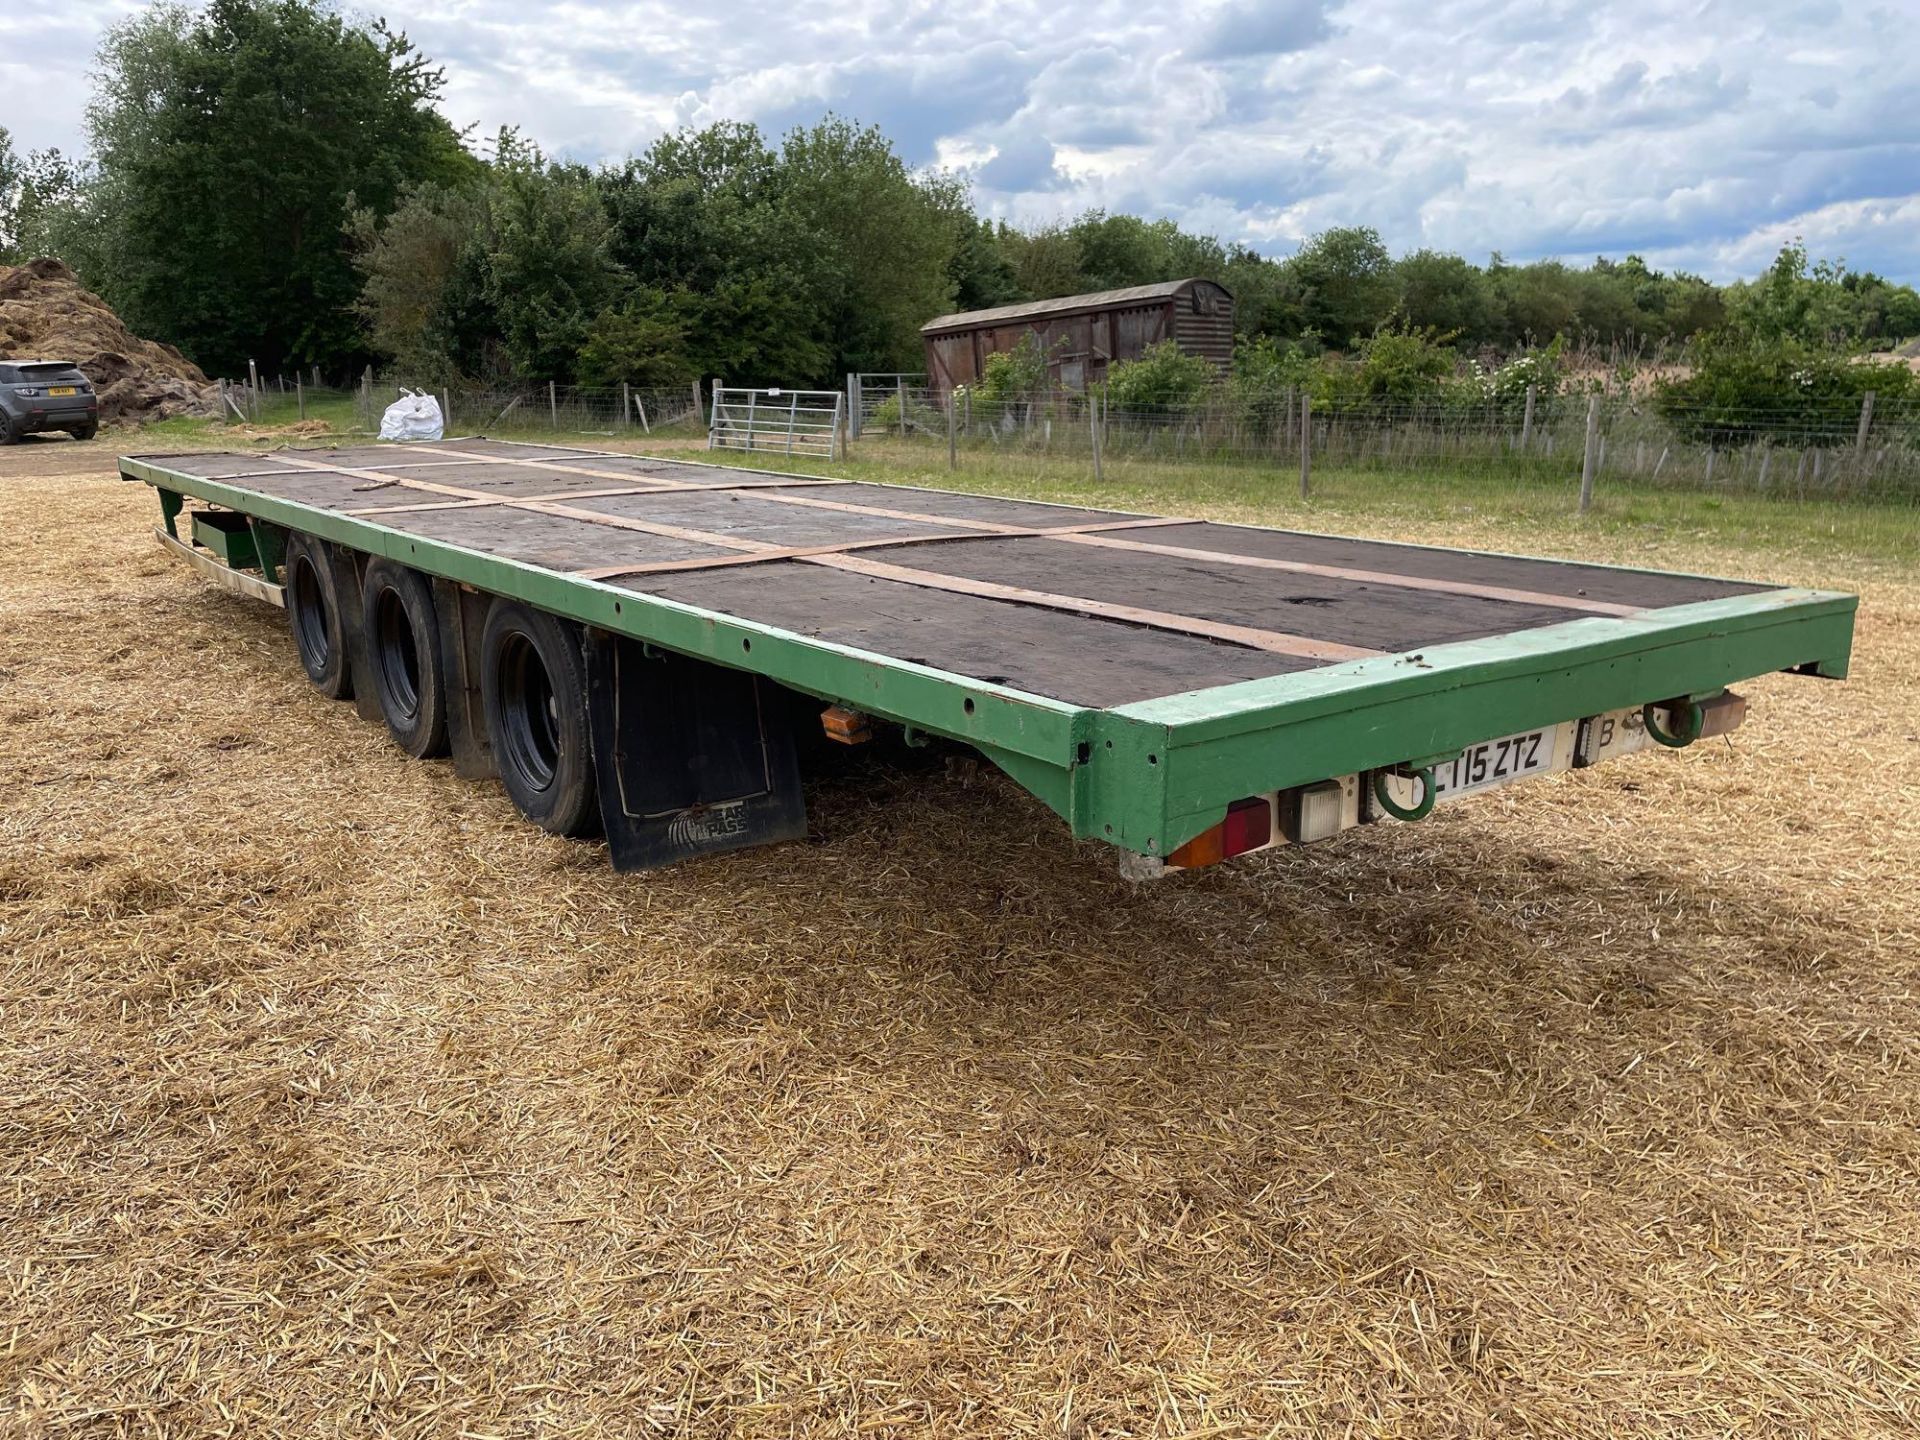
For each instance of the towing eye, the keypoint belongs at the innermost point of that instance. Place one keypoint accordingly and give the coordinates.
(1422, 773)
(1693, 717)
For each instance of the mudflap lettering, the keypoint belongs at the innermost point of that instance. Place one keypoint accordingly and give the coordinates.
(692, 758)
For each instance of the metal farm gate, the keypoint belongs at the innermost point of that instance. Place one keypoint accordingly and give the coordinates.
(793, 422)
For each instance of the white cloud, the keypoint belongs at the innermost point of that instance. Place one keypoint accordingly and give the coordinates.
(1700, 136)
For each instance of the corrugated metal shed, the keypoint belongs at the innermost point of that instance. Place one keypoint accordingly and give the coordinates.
(1083, 334)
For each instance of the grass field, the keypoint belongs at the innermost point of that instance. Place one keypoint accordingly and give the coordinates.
(335, 1100)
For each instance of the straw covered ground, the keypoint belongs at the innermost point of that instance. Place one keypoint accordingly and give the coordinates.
(335, 1100)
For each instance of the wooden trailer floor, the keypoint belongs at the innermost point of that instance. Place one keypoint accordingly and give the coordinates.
(1094, 608)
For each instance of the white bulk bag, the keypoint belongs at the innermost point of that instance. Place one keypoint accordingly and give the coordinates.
(414, 416)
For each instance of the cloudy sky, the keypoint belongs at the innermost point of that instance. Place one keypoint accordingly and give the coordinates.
(1698, 134)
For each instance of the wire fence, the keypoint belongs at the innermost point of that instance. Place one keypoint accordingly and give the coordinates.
(1586, 441)
(1839, 450)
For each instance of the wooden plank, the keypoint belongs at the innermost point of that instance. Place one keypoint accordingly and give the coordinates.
(1371, 577)
(1077, 659)
(562, 468)
(802, 552)
(544, 507)
(1637, 589)
(1273, 641)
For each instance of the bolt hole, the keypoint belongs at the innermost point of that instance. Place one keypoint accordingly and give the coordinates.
(746, 644)
(1153, 759)
(616, 607)
(967, 705)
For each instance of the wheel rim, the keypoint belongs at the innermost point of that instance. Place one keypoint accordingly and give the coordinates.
(399, 656)
(310, 613)
(529, 712)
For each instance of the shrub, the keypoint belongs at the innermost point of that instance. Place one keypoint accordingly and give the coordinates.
(1406, 364)
(1744, 389)
(1016, 374)
(885, 416)
(1164, 378)
(1503, 391)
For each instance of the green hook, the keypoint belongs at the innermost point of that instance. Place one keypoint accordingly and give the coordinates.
(1422, 773)
(1695, 717)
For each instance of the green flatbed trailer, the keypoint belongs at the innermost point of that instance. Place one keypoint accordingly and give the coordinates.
(625, 640)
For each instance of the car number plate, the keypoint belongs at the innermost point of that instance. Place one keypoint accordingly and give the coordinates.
(61, 390)
(1498, 762)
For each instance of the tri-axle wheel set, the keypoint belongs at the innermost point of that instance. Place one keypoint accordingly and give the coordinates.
(506, 689)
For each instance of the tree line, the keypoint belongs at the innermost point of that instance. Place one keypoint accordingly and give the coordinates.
(271, 180)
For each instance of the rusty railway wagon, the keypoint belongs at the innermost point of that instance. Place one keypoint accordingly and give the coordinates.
(626, 642)
(1081, 335)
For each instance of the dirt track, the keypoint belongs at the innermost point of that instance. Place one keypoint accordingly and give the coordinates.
(336, 1100)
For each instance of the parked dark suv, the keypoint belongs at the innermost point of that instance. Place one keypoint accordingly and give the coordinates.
(46, 395)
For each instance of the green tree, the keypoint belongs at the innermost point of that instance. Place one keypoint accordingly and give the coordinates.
(1445, 292)
(644, 343)
(9, 200)
(232, 145)
(1821, 303)
(40, 196)
(1045, 261)
(1346, 284)
(883, 238)
(424, 277)
(700, 218)
(549, 271)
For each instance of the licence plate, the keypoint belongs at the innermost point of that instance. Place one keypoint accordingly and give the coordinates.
(61, 390)
(1499, 762)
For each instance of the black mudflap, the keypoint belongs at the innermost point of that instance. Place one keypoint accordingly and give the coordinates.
(692, 758)
(462, 615)
(346, 588)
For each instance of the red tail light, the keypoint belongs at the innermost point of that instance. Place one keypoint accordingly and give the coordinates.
(1248, 826)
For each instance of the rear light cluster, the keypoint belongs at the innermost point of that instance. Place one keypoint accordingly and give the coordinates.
(1248, 826)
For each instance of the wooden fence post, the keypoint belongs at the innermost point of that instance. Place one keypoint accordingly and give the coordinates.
(446, 410)
(698, 413)
(900, 394)
(1306, 442)
(953, 458)
(300, 394)
(253, 390)
(1093, 418)
(1526, 421)
(553, 405)
(626, 404)
(1590, 459)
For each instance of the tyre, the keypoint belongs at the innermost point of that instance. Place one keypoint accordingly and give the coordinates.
(85, 432)
(403, 654)
(8, 433)
(533, 685)
(313, 612)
